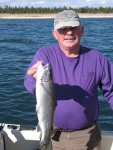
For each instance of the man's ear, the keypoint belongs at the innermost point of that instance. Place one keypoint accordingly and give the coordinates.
(54, 33)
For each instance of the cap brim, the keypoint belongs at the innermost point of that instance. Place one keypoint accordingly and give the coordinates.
(67, 24)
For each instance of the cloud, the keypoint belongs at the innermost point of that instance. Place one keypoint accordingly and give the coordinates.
(94, 3)
(103, 2)
(41, 2)
(57, 3)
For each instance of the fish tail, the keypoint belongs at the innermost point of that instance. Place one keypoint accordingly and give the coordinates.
(47, 146)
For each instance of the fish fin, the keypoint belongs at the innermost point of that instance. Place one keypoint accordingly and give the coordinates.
(38, 128)
(37, 108)
(40, 136)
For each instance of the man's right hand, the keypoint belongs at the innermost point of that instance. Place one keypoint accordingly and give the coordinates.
(32, 71)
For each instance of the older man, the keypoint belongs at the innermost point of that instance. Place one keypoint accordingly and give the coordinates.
(77, 72)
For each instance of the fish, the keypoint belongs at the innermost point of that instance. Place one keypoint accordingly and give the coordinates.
(46, 103)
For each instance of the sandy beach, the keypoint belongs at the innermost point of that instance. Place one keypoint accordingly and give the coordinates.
(36, 16)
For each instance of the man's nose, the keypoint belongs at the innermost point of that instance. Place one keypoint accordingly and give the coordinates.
(69, 30)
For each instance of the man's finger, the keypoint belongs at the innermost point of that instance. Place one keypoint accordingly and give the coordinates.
(35, 75)
(32, 71)
(34, 68)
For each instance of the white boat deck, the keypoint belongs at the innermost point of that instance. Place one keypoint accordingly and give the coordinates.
(28, 138)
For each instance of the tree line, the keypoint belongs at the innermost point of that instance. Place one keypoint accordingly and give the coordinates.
(41, 10)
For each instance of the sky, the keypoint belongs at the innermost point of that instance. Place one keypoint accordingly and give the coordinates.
(57, 3)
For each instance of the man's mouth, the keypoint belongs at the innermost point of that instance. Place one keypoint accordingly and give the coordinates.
(69, 37)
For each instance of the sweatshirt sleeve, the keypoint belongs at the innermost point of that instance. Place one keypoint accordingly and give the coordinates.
(106, 83)
(29, 80)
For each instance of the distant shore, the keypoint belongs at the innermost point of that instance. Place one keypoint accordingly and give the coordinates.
(36, 16)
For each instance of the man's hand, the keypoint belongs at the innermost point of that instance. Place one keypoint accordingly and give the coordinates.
(32, 71)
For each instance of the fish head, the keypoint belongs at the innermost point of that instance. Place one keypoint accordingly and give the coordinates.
(44, 72)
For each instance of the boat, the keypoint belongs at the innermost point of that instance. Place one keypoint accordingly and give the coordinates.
(26, 137)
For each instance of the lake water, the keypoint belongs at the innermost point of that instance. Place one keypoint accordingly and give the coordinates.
(19, 41)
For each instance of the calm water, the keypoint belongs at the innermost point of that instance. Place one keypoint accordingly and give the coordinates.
(19, 40)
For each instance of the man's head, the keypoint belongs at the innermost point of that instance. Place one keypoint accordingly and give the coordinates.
(66, 18)
(68, 30)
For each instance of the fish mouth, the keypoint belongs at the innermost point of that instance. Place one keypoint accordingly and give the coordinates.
(46, 66)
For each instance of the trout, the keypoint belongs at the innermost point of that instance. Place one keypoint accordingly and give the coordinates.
(46, 103)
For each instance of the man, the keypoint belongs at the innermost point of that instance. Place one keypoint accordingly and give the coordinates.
(77, 72)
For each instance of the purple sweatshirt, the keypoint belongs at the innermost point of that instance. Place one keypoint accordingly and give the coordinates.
(76, 81)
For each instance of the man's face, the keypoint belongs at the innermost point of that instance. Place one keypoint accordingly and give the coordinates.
(69, 38)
